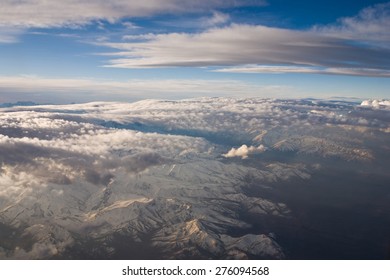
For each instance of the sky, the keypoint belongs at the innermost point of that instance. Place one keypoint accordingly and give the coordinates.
(80, 50)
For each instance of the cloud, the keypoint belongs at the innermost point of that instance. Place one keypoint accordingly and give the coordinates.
(244, 151)
(214, 19)
(345, 48)
(75, 13)
(55, 149)
(60, 144)
(269, 69)
(9, 34)
(247, 44)
(232, 45)
(130, 25)
(217, 18)
(155, 164)
(385, 104)
(68, 90)
(371, 24)
(147, 36)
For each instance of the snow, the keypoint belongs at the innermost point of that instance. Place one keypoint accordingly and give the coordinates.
(169, 169)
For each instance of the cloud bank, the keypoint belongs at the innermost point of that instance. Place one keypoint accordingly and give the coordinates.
(269, 69)
(82, 172)
(354, 46)
(41, 89)
(374, 103)
(370, 24)
(246, 44)
(75, 13)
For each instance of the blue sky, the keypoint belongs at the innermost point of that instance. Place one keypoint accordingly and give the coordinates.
(77, 51)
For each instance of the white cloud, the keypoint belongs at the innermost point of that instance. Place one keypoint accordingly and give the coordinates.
(14, 183)
(245, 44)
(244, 151)
(80, 166)
(371, 24)
(101, 142)
(376, 103)
(73, 13)
(211, 19)
(71, 139)
(9, 34)
(355, 46)
(130, 25)
(236, 44)
(270, 69)
(146, 36)
(94, 89)
(217, 18)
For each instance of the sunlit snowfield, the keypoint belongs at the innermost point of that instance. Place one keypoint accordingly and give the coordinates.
(202, 178)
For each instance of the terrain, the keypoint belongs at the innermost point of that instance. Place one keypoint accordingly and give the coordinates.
(206, 178)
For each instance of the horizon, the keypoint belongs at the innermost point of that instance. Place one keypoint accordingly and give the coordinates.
(195, 130)
(348, 99)
(223, 178)
(128, 51)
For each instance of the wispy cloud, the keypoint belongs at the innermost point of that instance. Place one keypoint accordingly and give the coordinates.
(269, 69)
(139, 37)
(216, 19)
(130, 25)
(213, 19)
(72, 13)
(95, 89)
(9, 34)
(346, 48)
(371, 24)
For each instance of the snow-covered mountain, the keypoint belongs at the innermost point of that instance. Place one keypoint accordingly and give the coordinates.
(190, 178)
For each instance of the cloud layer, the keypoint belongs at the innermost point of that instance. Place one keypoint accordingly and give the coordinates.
(151, 167)
(367, 72)
(370, 24)
(245, 44)
(357, 46)
(354, 46)
(41, 89)
(93, 142)
(74, 13)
